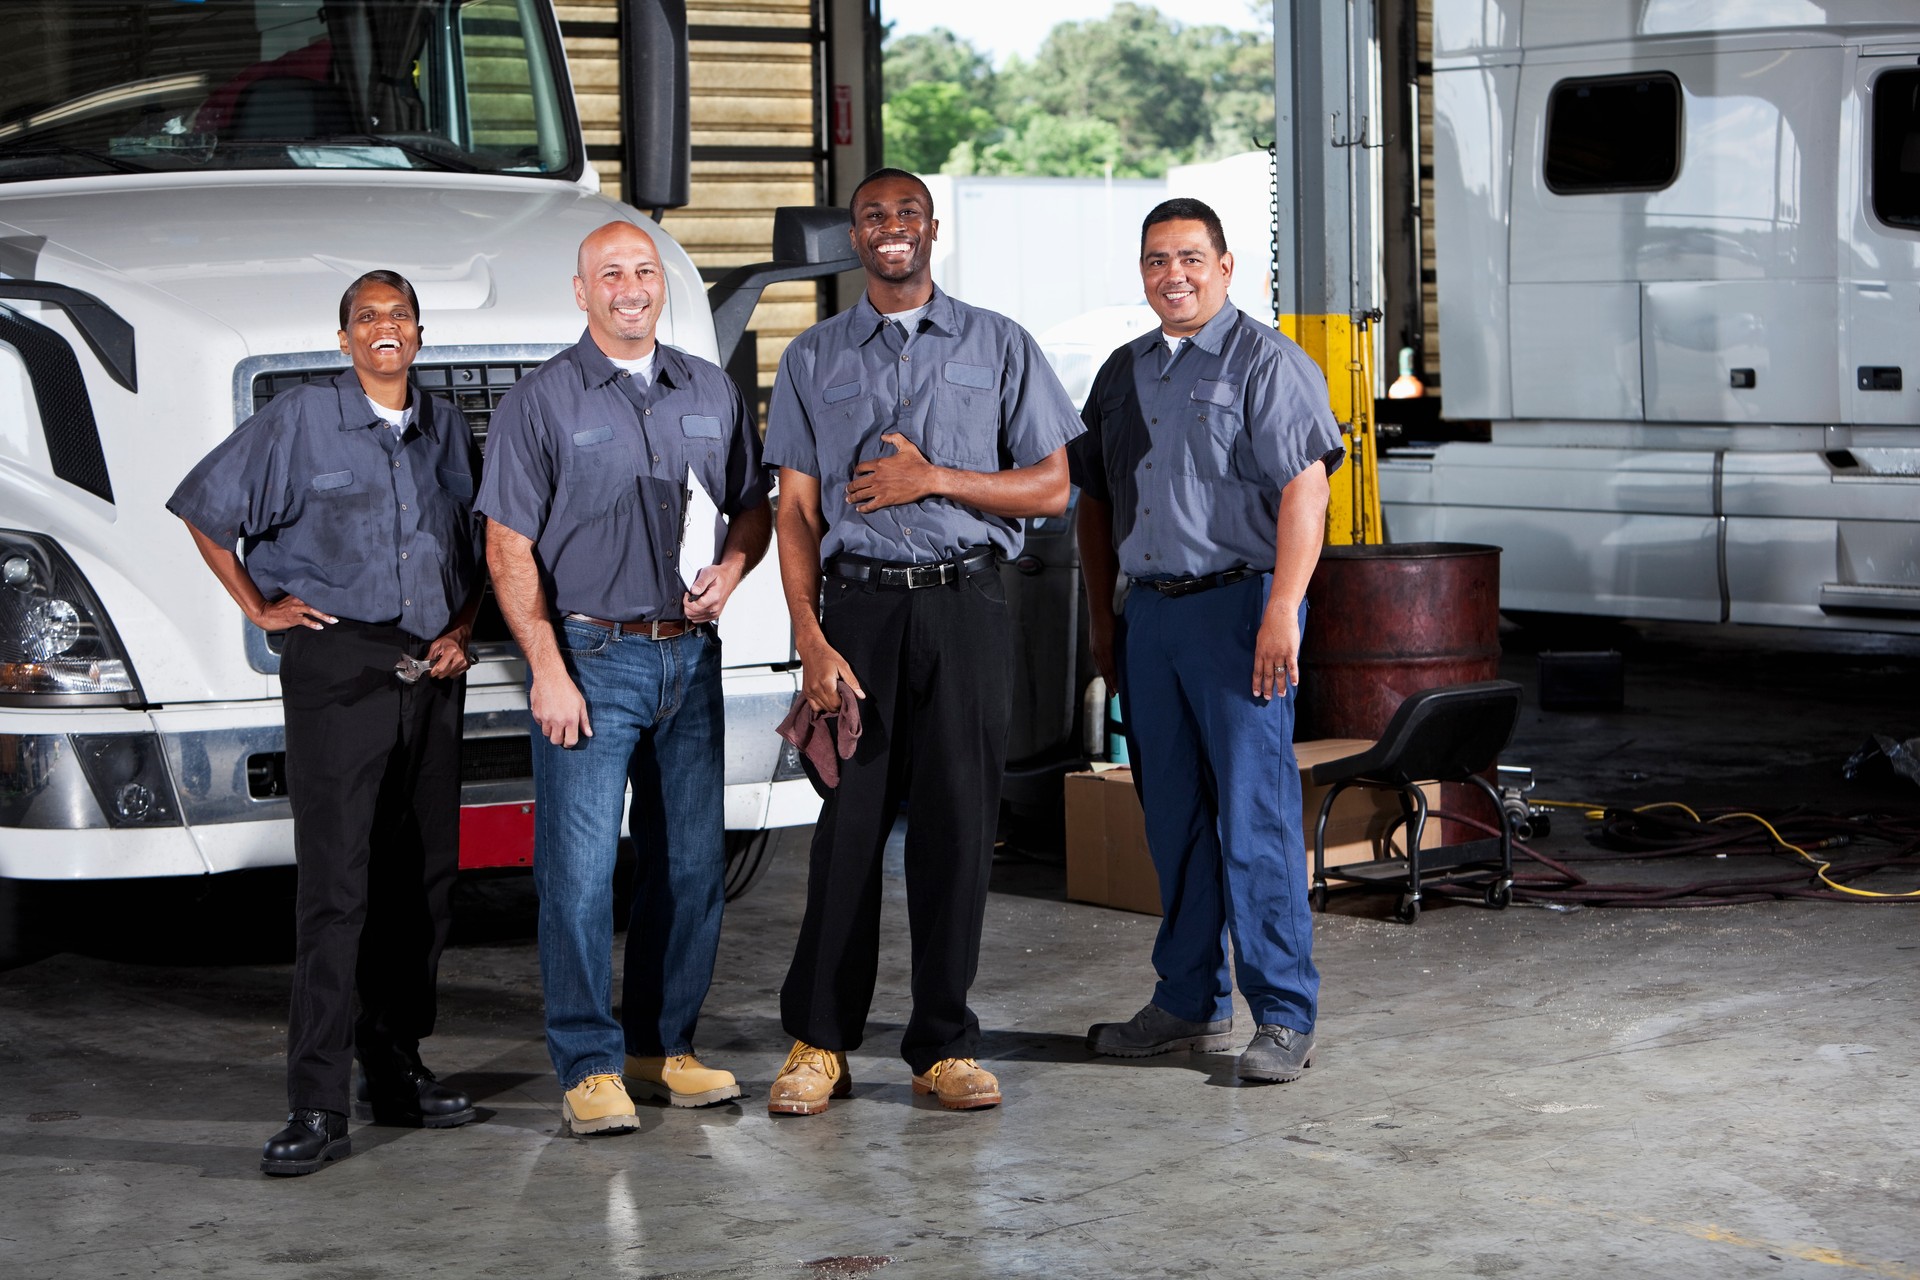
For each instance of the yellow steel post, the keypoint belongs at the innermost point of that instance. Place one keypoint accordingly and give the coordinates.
(1344, 351)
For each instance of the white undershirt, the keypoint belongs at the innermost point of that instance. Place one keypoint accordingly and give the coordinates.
(908, 320)
(641, 369)
(398, 419)
(1173, 341)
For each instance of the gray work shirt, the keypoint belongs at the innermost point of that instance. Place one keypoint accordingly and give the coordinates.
(328, 512)
(1192, 449)
(592, 468)
(972, 391)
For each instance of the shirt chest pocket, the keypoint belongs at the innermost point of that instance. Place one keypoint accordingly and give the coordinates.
(602, 473)
(457, 485)
(964, 427)
(1214, 443)
(851, 419)
(338, 519)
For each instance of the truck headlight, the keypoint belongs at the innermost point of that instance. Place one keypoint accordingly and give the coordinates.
(55, 640)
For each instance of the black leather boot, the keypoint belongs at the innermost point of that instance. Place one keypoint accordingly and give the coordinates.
(401, 1091)
(310, 1139)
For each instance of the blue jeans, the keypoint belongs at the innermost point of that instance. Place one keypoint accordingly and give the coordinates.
(655, 710)
(1221, 794)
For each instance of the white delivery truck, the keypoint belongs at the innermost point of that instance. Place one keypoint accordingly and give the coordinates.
(186, 187)
(1678, 258)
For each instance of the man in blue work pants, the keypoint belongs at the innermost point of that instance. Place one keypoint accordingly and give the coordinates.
(1203, 478)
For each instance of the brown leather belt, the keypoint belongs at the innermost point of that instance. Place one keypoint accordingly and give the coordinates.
(664, 629)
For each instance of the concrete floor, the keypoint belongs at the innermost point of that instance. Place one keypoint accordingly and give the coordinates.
(1720, 1092)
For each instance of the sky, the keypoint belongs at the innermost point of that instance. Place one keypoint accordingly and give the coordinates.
(1002, 27)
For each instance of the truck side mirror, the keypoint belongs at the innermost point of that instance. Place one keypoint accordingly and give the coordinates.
(808, 242)
(656, 138)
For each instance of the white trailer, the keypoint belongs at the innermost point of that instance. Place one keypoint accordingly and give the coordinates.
(1678, 258)
(185, 190)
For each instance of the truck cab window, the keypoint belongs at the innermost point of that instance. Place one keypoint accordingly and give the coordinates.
(1896, 148)
(97, 86)
(1613, 133)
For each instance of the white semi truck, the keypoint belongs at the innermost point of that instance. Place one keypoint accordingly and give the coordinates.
(186, 187)
(1678, 260)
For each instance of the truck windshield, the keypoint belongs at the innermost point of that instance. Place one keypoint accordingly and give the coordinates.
(126, 86)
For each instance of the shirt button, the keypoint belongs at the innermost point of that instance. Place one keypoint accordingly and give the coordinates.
(1163, 377)
(407, 603)
(625, 374)
(907, 401)
(1203, 417)
(396, 464)
(648, 412)
(904, 359)
(403, 555)
(1156, 421)
(1149, 557)
(1149, 466)
(403, 506)
(663, 506)
(656, 457)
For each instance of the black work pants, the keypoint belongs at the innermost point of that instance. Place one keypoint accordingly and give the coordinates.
(936, 665)
(373, 771)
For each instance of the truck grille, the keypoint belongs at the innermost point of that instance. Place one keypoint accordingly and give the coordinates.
(476, 387)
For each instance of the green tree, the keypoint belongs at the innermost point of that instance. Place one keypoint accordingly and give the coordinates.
(1128, 69)
(938, 56)
(924, 122)
(1049, 145)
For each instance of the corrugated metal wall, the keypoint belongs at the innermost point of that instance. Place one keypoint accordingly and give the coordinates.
(756, 135)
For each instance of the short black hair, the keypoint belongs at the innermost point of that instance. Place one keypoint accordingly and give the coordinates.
(880, 175)
(392, 279)
(1186, 210)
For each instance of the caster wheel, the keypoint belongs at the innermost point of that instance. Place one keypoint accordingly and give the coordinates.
(1499, 895)
(1409, 909)
(1317, 898)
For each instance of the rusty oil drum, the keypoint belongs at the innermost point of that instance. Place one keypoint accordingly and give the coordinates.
(1388, 621)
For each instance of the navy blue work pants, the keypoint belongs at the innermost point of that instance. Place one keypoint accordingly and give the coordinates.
(1221, 793)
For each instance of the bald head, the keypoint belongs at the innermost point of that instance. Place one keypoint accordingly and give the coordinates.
(612, 233)
(619, 283)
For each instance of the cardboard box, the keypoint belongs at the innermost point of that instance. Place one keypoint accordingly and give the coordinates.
(1107, 860)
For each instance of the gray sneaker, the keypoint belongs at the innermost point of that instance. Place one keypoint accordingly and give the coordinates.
(1276, 1054)
(1154, 1030)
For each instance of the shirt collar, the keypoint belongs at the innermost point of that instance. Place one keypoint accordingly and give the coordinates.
(1211, 339)
(669, 364)
(941, 317)
(356, 415)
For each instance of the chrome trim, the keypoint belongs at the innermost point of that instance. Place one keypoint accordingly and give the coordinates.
(42, 786)
(753, 740)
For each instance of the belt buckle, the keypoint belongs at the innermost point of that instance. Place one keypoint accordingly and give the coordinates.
(918, 576)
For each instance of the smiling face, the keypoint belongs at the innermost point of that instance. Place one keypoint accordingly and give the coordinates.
(383, 332)
(1186, 279)
(893, 231)
(621, 288)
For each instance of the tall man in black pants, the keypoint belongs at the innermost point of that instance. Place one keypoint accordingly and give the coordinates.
(354, 497)
(913, 433)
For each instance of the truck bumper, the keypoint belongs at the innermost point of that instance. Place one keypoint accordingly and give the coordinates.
(208, 785)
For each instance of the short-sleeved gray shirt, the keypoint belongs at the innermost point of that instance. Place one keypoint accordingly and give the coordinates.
(592, 469)
(1191, 449)
(328, 508)
(972, 391)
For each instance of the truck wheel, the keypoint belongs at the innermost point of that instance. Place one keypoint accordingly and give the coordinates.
(749, 854)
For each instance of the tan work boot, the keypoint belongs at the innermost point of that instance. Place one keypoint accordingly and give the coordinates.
(680, 1080)
(599, 1104)
(961, 1084)
(810, 1078)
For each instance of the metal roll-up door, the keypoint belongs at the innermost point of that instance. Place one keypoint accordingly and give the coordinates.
(755, 72)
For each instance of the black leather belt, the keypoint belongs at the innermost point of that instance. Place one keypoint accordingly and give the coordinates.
(904, 576)
(1205, 582)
